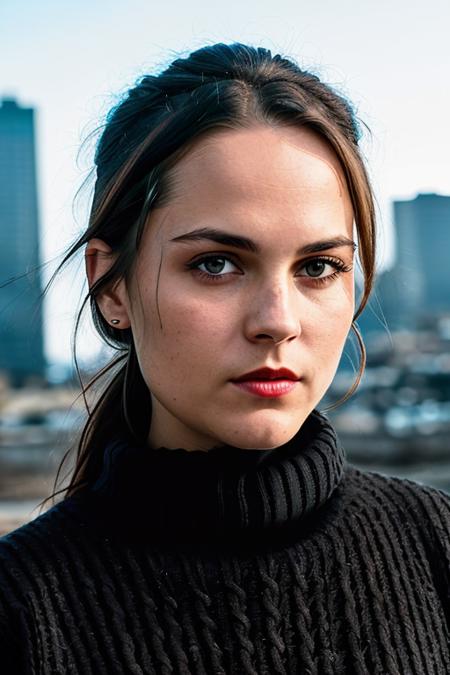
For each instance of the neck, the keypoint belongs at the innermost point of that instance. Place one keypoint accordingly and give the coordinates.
(180, 436)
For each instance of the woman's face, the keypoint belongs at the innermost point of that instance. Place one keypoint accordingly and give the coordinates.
(248, 265)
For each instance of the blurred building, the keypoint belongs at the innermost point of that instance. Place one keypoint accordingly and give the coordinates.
(422, 270)
(21, 330)
(383, 312)
(416, 290)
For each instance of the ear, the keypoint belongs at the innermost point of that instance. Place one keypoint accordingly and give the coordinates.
(113, 301)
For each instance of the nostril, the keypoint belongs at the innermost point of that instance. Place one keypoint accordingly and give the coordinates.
(264, 336)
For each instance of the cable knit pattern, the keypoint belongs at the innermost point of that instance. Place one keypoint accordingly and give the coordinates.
(232, 562)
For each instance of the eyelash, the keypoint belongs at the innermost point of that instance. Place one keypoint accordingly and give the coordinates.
(339, 266)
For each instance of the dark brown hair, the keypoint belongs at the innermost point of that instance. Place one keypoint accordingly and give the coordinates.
(219, 86)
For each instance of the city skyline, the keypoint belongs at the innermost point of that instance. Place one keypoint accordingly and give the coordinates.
(414, 284)
(396, 90)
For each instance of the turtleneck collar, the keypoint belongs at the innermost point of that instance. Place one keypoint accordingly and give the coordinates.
(226, 491)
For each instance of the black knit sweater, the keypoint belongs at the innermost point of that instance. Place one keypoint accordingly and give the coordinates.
(230, 562)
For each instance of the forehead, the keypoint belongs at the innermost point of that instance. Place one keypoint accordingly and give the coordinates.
(252, 152)
(258, 175)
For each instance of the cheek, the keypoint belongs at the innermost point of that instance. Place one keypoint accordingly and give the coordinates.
(193, 331)
(329, 321)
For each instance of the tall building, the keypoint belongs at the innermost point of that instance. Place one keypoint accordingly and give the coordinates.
(417, 287)
(422, 267)
(21, 330)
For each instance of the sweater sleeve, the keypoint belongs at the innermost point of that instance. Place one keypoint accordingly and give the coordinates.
(11, 651)
(14, 643)
(435, 508)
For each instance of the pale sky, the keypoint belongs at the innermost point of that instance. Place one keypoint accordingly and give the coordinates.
(71, 61)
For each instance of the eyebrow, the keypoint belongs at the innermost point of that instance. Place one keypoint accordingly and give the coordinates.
(246, 244)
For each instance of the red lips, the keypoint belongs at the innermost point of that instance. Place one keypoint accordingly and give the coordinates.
(268, 374)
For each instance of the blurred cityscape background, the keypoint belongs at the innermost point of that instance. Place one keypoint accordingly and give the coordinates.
(397, 423)
(64, 65)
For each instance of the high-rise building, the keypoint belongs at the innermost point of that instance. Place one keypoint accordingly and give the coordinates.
(422, 227)
(21, 330)
(417, 286)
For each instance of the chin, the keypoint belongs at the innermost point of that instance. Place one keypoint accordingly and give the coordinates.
(265, 434)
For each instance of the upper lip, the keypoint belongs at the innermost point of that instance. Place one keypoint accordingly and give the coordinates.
(268, 374)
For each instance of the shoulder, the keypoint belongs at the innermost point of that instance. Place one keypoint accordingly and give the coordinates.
(30, 555)
(32, 560)
(419, 498)
(50, 524)
(415, 506)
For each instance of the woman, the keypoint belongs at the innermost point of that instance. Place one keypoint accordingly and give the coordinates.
(212, 523)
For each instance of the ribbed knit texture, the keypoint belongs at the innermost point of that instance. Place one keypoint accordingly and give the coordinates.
(287, 561)
(225, 493)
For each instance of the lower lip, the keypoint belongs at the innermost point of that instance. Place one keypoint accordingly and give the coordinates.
(267, 388)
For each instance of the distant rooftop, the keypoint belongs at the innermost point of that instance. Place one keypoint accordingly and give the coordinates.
(423, 196)
(10, 104)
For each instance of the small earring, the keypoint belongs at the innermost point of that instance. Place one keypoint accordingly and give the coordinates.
(115, 321)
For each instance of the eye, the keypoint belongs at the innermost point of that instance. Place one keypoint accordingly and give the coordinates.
(316, 268)
(318, 272)
(215, 265)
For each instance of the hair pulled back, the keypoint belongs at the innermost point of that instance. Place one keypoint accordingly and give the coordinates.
(219, 86)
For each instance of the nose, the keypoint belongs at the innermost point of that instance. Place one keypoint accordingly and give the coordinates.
(274, 314)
